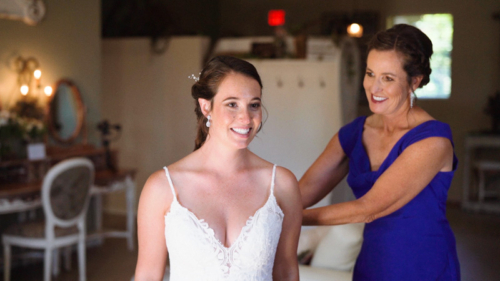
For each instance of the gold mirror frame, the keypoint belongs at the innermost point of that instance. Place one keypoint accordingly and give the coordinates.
(80, 114)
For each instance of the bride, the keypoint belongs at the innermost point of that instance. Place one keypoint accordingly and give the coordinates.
(223, 212)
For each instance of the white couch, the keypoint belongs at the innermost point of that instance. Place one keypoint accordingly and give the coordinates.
(334, 251)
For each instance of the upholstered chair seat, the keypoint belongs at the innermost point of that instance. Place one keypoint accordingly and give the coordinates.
(37, 230)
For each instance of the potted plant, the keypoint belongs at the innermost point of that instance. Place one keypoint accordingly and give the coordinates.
(20, 128)
(10, 132)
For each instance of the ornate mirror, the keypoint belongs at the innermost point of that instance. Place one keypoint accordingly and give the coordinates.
(66, 113)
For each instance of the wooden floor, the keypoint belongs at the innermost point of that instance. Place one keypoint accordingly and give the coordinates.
(478, 243)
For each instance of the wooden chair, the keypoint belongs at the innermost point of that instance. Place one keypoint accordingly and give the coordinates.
(65, 199)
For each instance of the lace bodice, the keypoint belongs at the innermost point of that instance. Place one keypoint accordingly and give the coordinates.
(196, 254)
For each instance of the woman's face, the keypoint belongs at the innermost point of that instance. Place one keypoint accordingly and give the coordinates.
(385, 83)
(236, 113)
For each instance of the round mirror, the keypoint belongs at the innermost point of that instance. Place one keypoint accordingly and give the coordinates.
(65, 112)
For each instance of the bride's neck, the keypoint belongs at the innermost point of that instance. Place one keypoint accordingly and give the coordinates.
(223, 158)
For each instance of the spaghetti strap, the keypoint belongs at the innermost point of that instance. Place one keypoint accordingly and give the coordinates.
(272, 179)
(170, 183)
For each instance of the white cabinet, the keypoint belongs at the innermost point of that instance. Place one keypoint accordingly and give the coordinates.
(304, 105)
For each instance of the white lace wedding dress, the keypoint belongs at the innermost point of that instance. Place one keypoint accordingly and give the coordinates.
(196, 254)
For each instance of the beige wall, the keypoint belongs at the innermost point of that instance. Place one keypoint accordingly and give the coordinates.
(66, 44)
(150, 96)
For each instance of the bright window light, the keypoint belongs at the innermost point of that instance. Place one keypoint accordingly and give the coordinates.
(439, 28)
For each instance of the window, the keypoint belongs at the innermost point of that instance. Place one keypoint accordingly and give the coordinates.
(439, 28)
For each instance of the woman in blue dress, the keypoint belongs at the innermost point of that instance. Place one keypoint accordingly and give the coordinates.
(400, 163)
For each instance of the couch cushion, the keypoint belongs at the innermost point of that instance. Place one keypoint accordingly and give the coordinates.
(308, 273)
(310, 237)
(340, 247)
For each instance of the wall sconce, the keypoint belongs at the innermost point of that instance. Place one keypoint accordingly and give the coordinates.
(28, 70)
(355, 30)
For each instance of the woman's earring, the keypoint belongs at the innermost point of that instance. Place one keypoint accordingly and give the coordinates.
(208, 121)
(412, 98)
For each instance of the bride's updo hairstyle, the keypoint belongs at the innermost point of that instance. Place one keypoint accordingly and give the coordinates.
(207, 86)
(412, 44)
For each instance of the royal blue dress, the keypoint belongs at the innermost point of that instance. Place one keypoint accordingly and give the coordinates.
(416, 241)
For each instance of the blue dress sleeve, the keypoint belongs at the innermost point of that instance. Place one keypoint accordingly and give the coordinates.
(350, 133)
(429, 129)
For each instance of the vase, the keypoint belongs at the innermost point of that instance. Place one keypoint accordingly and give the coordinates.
(35, 151)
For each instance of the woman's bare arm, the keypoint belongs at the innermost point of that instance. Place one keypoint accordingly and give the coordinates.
(152, 257)
(324, 174)
(288, 197)
(399, 184)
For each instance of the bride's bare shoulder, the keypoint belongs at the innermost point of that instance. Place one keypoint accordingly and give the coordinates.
(286, 186)
(156, 180)
(285, 178)
(156, 193)
(287, 193)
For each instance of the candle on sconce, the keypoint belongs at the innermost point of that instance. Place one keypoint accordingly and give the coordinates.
(37, 74)
(24, 90)
(48, 91)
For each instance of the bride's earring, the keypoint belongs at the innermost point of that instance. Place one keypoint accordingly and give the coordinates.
(208, 121)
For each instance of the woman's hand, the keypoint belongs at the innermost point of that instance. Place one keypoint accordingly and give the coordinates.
(287, 195)
(152, 257)
(410, 173)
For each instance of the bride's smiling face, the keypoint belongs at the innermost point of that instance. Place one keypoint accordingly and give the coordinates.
(236, 111)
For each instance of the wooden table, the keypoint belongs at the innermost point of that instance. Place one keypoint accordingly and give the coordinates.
(474, 142)
(109, 182)
(106, 181)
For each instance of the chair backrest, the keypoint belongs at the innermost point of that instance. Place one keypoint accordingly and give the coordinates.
(66, 191)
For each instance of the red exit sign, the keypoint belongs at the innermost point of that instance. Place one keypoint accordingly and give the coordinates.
(276, 17)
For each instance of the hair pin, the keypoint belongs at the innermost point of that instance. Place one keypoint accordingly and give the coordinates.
(194, 77)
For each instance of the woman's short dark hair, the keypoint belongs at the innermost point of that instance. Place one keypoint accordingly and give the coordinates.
(412, 44)
(210, 78)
